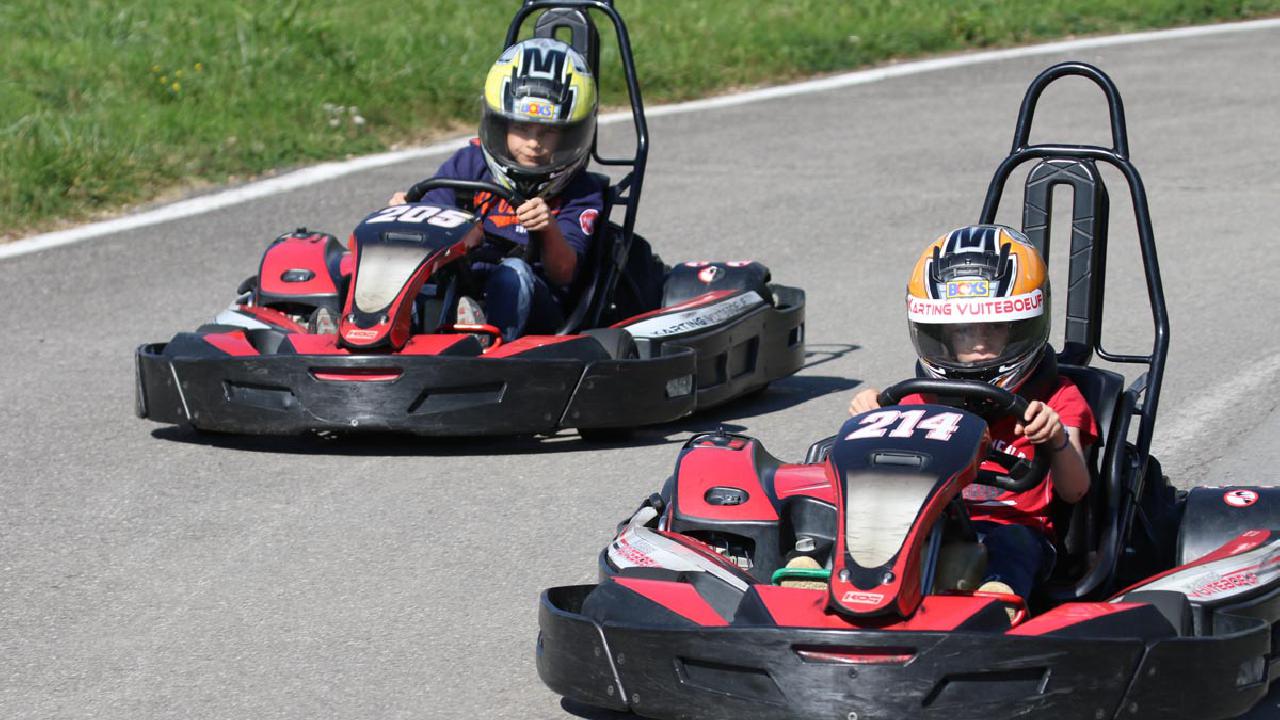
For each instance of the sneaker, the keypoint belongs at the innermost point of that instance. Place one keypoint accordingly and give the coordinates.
(803, 562)
(995, 586)
(322, 323)
(470, 313)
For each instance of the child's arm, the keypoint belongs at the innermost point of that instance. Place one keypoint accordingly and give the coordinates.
(864, 400)
(559, 259)
(1042, 426)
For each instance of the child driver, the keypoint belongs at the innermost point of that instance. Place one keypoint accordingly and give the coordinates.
(978, 308)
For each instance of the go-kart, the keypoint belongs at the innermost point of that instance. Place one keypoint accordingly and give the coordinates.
(642, 343)
(1161, 604)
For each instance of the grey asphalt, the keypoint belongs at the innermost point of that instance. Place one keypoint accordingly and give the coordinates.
(148, 572)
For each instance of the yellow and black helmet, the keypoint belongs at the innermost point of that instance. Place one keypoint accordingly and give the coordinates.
(986, 288)
(541, 89)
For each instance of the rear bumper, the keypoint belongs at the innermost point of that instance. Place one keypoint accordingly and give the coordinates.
(735, 672)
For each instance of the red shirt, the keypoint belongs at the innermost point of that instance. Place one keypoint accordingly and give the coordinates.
(1031, 508)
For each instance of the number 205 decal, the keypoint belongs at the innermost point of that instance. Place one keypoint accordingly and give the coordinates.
(905, 423)
(439, 217)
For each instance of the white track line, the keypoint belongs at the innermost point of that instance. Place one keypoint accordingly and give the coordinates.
(329, 171)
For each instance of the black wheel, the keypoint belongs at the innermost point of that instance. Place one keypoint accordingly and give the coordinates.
(615, 341)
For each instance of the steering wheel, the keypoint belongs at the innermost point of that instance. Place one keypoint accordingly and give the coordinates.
(992, 403)
(515, 199)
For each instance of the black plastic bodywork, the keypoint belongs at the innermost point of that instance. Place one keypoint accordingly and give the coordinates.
(1199, 662)
(457, 396)
(743, 671)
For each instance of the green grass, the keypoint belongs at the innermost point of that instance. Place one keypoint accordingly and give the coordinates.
(108, 103)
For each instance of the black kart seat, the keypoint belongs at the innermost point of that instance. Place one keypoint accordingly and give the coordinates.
(1080, 525)
(595, 266)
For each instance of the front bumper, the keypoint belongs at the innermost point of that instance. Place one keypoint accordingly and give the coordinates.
(429, 395)
(756, 672)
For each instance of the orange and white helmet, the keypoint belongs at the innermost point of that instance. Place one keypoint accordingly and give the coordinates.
(978, 306)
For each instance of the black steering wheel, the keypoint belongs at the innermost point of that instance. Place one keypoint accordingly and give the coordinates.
(990, 403)
(515, 199)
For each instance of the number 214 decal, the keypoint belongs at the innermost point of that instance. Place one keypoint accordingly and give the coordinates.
(905, 423)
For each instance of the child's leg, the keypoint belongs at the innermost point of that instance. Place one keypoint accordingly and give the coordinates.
(517, 300)
(1016, 555)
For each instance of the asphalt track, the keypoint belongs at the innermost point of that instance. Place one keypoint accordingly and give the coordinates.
(148, 572)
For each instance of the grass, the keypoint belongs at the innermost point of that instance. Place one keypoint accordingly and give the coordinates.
(103, 104)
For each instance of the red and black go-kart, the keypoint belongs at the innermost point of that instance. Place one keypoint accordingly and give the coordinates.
(1161, 605)
(642, 343)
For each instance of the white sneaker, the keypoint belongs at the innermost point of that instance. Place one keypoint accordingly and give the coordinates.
(322, 323)
(470, 312)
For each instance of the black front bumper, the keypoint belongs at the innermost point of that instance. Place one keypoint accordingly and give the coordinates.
(431, 395)
(737, 672)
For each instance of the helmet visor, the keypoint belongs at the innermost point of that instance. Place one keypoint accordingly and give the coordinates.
(534, 147)
(980, 346)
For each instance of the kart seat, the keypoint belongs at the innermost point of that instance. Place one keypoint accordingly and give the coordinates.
(1080, 525)
(595, 265)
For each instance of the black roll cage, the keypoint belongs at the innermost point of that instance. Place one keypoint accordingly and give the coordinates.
(573, 15)
(1076, 165)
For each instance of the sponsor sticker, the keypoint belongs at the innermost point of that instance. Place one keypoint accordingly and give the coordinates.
(536, 109)
(855, 597)
(698, 318)
(358, 334)
(975, 309)
(1240, 498)
(587, 221)
(1225, 584)
(968, 288)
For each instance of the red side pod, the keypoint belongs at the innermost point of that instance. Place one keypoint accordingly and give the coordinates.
(527, 343)
(1242, 543)
(679, 598)
(297, 256)
(712, 471)
(808, 480)
(1071, 614)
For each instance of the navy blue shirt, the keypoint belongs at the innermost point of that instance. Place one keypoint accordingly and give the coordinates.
(576, 209)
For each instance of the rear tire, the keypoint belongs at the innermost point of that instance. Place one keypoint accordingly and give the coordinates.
(617, 342)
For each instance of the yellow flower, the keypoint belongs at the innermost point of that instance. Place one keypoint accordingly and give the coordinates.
(164, 79)
(177, 73)
(176, 87)
(155, 68)
(199, 67)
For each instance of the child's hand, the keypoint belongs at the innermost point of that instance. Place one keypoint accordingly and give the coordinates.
(1041, 425)
(534, 215)
(864, 400)
(397, 199)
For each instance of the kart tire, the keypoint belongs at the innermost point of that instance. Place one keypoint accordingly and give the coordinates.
(617, 342)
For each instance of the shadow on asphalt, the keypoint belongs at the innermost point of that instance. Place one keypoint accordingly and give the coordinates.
(588, 712)
(780, 395)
